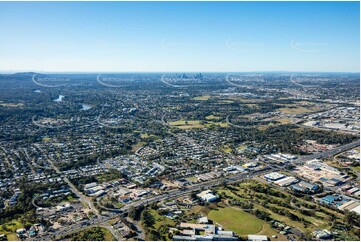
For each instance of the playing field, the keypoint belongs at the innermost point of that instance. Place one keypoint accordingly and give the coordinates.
(187, 124)
(236, 220)
(202, 98)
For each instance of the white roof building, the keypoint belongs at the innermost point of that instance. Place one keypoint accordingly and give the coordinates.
(356, 209)
(274, 176)
(255, 237)
(207, 196)
(284, 182)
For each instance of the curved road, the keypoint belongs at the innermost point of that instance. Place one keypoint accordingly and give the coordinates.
(98, 220)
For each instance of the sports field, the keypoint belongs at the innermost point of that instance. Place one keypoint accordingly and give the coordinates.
(236, 220)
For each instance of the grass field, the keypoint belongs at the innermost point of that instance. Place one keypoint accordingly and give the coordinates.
(137, 146)
(264, 127)
(226, 149)
(161, 220)
(91, 234)
(108, 235)
(144, 136)
(193, 124)
(242, 147)
(147, 136)
(248, 100)
(11, 226)
(238, 221)
(202, 98)
(11, 105)
(355, 168)
(267, 230)
(318, 220)
(221, 124)
(46, 139)
(212, 117)
(224, 101)
(284, 120)
(294, 109)
(187, 124)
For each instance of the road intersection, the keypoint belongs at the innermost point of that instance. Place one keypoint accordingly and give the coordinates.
(103, 220)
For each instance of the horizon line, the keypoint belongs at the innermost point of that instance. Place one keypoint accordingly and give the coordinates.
(105, 72)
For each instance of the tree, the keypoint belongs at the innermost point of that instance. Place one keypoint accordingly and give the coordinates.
(352, 219)
(154, 235)
(194, 195)
(148, 219)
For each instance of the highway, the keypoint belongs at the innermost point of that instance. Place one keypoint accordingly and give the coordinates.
(175, 193)
(101, 220)
(328, 153)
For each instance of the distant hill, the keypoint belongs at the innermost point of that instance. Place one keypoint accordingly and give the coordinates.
(19, 76)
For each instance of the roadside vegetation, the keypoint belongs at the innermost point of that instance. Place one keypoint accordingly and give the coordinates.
(92, 234)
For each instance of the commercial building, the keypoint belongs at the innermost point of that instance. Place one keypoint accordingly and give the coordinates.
(207, 196)
(203, 232)
(356, 209)
(304, 187)
(255, 237)
(322, 234)
(274, 176)
(90, 185)
(284, 182)
(349, 206)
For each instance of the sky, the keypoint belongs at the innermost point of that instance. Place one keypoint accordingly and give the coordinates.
(179, 36)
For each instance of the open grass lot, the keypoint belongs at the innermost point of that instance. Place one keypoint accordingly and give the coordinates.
(108, 235)
(11, 105)
(46, 139)
(149, 136)
(355, 168)
(11, 228)
(272, 200)
(161, 220)
(226, 149)
(202, 98)
(212, 117)
(196, 124)
(264, 127)
(247, 100)
(223, 101)
(221, 124)
(91, 234)
(298, 108)
(196, 209)
(238, 221)
(137, 146)
(269, 231)
(144, 136)
(187, 124)
(284, 120)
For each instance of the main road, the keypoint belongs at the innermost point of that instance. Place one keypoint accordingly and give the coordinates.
(328, 153)
(99, 220)
(75, 190)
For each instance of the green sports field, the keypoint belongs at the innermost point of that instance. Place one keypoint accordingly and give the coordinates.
(236, 220)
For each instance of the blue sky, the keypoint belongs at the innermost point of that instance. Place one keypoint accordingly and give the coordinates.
(179, 36)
